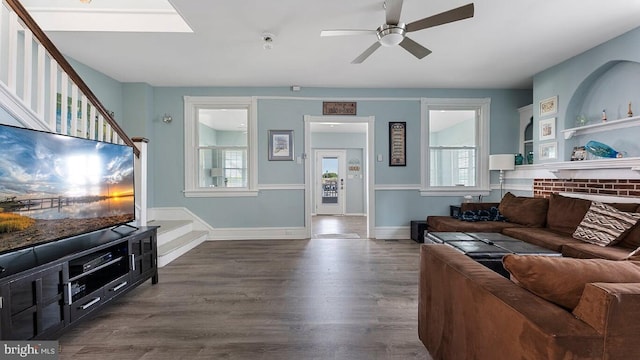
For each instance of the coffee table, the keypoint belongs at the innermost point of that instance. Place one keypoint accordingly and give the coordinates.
(487, 248)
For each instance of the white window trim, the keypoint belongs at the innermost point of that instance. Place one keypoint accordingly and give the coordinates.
(482, 184)
(191, 106)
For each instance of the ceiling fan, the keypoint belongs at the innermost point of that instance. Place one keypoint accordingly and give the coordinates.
(393, 32)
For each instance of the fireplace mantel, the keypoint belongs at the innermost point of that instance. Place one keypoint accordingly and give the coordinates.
(621, 168)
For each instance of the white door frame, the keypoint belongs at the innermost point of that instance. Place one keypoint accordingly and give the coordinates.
(369, 172)
(342, 187)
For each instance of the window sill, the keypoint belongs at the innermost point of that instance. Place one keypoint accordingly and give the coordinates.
(220, 193)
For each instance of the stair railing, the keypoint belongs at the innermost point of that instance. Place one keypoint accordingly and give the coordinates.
(34, 71)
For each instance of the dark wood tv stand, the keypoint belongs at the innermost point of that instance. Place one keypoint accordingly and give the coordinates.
(50, 287)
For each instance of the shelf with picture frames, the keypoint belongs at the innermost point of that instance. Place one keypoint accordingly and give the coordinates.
(604, 126)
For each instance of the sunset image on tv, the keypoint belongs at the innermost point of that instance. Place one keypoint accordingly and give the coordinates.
(55, 186)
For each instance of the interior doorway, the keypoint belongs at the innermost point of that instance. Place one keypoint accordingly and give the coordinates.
(330, 182)
(339, 177)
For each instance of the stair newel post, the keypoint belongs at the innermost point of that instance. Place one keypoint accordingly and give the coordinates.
(140, 172)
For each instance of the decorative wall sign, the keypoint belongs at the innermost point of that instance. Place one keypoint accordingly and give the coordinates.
(338, 108)
(397, 144)
(549, 106)
(280, 145)
(354, 165)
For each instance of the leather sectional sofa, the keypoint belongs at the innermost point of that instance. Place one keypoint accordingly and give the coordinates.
(584, 305)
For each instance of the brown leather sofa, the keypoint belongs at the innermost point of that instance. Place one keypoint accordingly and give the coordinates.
(547, 222)
(467, 311)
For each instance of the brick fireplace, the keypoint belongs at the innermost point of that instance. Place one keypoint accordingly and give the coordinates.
(610, 187)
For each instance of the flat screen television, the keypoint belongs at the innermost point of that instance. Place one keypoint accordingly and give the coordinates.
(56, 186)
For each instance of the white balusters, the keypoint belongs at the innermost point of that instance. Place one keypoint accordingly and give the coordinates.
(40, 81)
(64, 108)
(28, 68)
(85, 117)
(74, 111)
(53, 90)
(100, 128)
(13, 51)
(35, 78)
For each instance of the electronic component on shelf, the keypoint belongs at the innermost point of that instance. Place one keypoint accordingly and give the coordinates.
(90, 262)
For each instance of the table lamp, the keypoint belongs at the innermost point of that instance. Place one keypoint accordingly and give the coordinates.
(502, 162)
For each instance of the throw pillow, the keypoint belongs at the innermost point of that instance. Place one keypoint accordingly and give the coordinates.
(527, 211)
(561, 280)
(492, 214)
(565, 213)
(604, 225)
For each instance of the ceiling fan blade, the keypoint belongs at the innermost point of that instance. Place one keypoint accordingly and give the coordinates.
(393, 8)
(366, 53)
(463, 12)
(346, 32)
(414, 48)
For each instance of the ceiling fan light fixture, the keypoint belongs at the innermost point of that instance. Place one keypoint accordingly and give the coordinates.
(391, 35)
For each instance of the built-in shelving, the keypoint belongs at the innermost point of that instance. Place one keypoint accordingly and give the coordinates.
(56, 285)
(604, 126)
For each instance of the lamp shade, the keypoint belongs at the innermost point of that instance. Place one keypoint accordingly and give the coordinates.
(215, 172)
(502, 162)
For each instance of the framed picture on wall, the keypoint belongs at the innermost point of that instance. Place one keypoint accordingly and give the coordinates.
(280, 145)
(549, 106)
(547, 129)
(548, 151)
(397, 143)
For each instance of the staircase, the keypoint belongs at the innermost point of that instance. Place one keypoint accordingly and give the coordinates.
(175, 238)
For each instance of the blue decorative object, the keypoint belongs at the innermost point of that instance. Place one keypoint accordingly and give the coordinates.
(599, 149)
(519, 159)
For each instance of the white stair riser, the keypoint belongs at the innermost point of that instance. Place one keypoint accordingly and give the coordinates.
(165, 259)
(165, 237)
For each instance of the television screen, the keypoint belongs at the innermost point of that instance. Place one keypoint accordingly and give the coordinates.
(55, 186)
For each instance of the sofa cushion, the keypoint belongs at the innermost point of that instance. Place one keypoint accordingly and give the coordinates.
(604, 225)
(583, 250)
(561, 280)
(632, 238)
(527, 211)
(565, 213)
(447, 223)
(547, 238)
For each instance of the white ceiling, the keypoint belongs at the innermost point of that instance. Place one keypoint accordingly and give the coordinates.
(502, 46)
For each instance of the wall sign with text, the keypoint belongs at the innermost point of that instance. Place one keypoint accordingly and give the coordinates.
(338, 108)
(397, 144)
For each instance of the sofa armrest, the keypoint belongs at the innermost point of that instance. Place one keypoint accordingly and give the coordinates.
(478, 206)
(613, 309)
(466, 310)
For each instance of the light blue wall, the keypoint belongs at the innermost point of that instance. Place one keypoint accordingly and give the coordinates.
(289, 114)
(145, 107)
(108, 90)
(605, 77)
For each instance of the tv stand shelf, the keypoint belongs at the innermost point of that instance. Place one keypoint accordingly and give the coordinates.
(49, 287)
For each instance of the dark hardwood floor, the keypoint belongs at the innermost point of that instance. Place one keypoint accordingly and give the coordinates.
(331, 226)
(283, 299)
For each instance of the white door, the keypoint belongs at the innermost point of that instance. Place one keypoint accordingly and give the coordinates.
(330, 182)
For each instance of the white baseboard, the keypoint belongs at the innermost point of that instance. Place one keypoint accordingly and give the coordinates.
(393, 232)
(267, 233)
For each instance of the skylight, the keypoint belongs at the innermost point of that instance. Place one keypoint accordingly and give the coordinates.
(106, 15)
